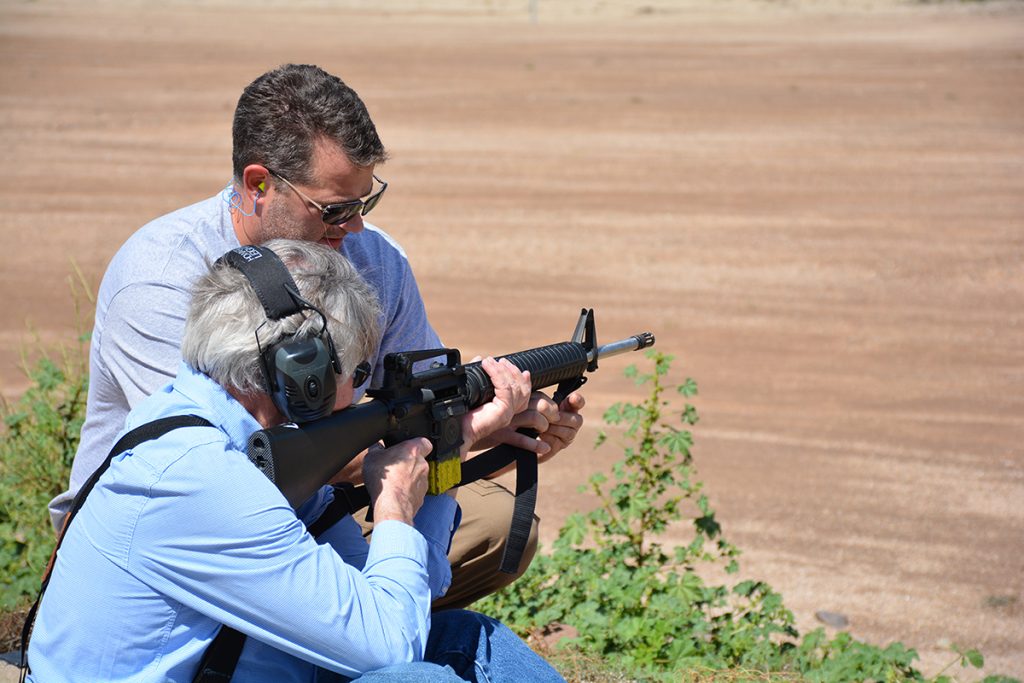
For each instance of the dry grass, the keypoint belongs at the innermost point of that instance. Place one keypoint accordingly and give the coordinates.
(10, 628)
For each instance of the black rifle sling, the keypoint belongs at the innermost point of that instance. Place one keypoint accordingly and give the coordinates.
(526, 486)
(147, 432)
(522, 510)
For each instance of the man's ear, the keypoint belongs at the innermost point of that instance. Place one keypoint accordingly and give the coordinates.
(255, 181)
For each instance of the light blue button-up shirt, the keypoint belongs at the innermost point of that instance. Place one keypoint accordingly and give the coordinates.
(184, 534)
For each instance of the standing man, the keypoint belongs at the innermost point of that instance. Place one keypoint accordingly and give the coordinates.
(305, 155)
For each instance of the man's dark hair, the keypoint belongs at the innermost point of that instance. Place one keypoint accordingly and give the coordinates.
(282, 115)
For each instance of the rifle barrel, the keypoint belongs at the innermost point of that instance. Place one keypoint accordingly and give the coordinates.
(634, 343)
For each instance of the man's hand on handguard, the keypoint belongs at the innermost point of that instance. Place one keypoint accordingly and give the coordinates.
(511, 397)
(396, 479)
(557, 426)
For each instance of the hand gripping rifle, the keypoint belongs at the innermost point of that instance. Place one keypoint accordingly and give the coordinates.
(428, 403)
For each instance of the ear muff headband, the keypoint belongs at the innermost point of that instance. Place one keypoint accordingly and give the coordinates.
(300, 373)
(269, 278)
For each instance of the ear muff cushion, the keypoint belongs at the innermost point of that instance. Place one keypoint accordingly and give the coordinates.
(302, 380)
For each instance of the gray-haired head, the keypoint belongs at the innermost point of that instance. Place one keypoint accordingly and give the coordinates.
(283, 114)
(220, 331)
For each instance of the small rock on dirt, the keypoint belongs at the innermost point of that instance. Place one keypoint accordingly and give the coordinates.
(833, 619)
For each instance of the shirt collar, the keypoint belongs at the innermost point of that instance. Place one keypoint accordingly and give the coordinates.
(214, 403)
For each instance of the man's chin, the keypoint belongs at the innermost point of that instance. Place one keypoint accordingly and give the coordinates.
(334, 243)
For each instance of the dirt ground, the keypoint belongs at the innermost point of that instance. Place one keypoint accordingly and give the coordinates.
(819, 208)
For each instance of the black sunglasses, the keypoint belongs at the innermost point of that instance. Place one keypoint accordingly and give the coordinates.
(361, 374)
(342, 212)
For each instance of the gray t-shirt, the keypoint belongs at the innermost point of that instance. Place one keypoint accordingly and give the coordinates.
(144, 298)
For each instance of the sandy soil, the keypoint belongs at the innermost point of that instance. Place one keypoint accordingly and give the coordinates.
(818, 208)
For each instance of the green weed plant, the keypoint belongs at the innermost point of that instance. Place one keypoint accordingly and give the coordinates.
(36, 450)
(38, 439)
(640, 606)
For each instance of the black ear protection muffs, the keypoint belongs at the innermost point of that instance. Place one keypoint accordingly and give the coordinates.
(301, 374)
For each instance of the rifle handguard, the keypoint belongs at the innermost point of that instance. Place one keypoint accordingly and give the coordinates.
(548, 365)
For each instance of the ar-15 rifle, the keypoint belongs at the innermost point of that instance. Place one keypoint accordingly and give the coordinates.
(429, 403)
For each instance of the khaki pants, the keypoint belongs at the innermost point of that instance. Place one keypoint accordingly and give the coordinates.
(479, 544)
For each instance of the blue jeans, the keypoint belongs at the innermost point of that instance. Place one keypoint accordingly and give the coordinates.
(466, 646)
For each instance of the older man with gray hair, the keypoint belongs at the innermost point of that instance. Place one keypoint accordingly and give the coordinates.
(181, 534)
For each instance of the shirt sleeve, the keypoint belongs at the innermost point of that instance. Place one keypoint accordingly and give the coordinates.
(237, 553)
(437, 520)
